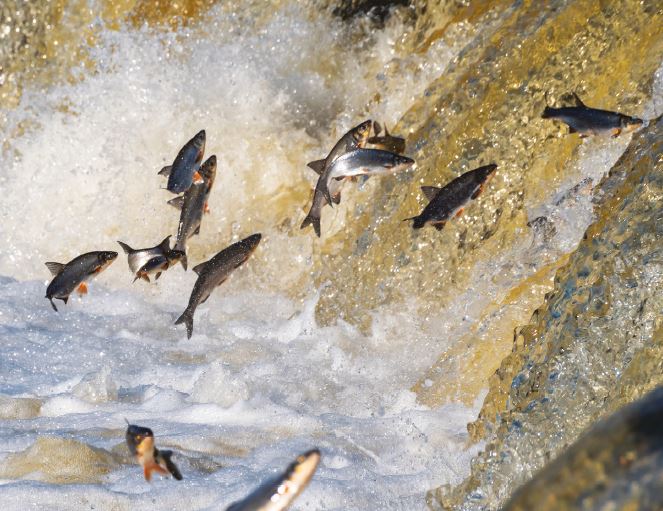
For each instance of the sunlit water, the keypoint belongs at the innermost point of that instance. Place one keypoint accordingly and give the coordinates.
(259, 382)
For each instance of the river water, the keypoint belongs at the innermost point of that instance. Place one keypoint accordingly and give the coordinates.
(375, 344)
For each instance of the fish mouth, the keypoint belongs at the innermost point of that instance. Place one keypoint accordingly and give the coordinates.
(305, 465)
(251, 242)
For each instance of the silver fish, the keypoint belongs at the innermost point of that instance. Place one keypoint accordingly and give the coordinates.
(145, 261)
(214, 272)
(354, 139)
(448, 202)
(278, 493)
(592, 121)
(387, 142)
(193, 204)
(73, 275)
(365, 162)
(184, 170)
(140, 441)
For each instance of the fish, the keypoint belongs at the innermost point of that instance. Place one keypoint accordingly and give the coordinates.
(449, 201)
(279, 492)
(192, 205)
(354, 139)
(184, 170)
(367, 162)
(73, 276)
(214, 272)
(144, 261)
(387, 142)
(140, 441)
(592, 121)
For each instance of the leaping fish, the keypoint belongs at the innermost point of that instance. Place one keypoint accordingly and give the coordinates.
(73, 275)
(278, 493)
(449, 201)
(184, 170)
(146, 261)
(141, 444)
(193, 204)
(214, 272)
(354, 139)
(592, 121)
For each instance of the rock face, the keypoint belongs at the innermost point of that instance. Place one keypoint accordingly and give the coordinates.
(596, 344)
(617, 464)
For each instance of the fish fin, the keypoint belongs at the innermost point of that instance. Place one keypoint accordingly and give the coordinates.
(170, 466)
(439, 225)
(127, 249)
(197, 231)
(377, 129)
(478, 192)
(548, 113)
(312, 220)
(53, 304)
(135, 279)
(417, 222)
(318, 166)
(165, 244)
(337, 197)
(459, 212)
(199, 267)
(153, 467)
(206, 208)
(578, 101)
(166, 170)
(187, 318)
(82, 288)
(197, 178)
(430, 191)
(177, 202)
(572, 130)
(616, 132)
(183, 262)
(65, 299)
(386, 131)
(55, 268)
(157, 276)
(145, 277)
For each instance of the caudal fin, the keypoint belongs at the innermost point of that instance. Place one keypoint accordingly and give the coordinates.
(314, 220)
(186, 317)
(170, 466)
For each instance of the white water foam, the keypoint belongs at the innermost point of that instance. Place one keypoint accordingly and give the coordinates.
(259, 382)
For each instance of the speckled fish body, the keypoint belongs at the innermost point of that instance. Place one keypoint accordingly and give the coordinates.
(181, 173)
(214, 272)
(278, 493)
(449, 201)
(73, 275)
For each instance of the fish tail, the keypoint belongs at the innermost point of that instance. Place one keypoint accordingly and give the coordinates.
(166, 456)
(312, 219)
(186, 317)
(547, 113)
(183, 262)
(52, 303)
(127, 249)
(417, 221)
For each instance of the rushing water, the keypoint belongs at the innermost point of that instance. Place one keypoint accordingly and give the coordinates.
(374, 343)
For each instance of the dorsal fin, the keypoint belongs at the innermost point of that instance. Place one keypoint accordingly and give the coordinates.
(199, 268)
(430, 191)
(55, 268)
(165, 244)
(377, 129)
(318, 166)
(386, 131)
(177, 202)
(127, 249)
(578, 101)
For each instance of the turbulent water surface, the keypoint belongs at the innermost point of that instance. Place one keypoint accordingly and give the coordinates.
(375, 343)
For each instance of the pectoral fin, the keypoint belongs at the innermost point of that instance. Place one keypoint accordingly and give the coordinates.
(439, 225)
(578, 101)
(166, 170)
(177, 202)
(82, 289)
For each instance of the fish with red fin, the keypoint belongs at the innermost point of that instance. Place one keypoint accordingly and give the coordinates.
(140, 441)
